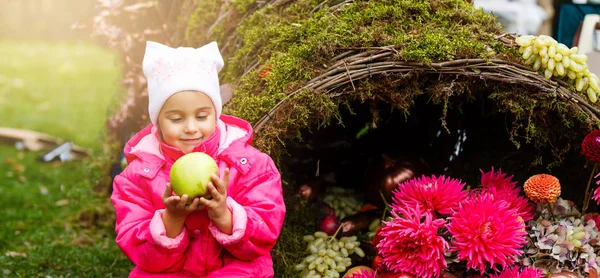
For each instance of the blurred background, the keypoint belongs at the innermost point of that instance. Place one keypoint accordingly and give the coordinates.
(49, 20)
(57, 85)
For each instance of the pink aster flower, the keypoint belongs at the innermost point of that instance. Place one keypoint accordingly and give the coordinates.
(503, 188)
(522, 205)
(496, 180)
(410, 243)
(596, 195)
(486, 232)
(513, 272)
(430, 194)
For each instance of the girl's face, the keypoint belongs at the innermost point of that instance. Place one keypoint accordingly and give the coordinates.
(186, 119)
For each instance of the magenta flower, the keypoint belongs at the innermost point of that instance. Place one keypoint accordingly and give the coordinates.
(496, 180)
(597, 194)
(487, 232)
(513, 272)
(503, 188)
(410, 243)
(429, 194)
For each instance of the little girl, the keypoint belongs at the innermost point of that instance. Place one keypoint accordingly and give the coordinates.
(230, 235)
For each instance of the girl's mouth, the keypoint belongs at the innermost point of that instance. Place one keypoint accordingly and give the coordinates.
(194, 141)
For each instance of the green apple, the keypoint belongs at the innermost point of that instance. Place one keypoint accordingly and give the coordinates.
(191, 174)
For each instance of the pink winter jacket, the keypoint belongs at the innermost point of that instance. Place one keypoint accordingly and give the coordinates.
(201, 249)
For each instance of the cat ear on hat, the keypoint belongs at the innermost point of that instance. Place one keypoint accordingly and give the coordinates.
(211, 51)
(154, 53)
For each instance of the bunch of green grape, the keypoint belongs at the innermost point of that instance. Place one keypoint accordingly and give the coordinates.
(343, 201)
(375, 224)
(329, 257)
(551, 58)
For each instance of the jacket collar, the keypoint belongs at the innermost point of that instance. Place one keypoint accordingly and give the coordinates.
(208, 146)
(232, 136)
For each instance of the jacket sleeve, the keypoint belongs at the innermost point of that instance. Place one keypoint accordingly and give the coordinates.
(258, 212)
(140, 231)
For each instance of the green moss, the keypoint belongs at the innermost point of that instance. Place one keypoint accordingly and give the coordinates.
(283, 47)
(279, 48)
(203, 17)
(241, 6)
(215, 20)
(426, 30)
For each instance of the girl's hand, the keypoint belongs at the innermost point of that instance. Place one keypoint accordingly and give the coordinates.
(217, 206)
(175, 205)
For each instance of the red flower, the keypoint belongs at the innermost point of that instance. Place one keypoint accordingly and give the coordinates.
(265, 72)
(591, 146)
(592, 216)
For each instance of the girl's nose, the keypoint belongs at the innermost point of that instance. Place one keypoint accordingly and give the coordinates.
(190, 127)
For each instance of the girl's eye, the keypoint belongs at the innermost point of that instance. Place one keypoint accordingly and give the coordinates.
(176, 120)
(201, 117)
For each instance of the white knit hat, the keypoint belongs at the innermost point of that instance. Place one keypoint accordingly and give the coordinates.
(172, 70)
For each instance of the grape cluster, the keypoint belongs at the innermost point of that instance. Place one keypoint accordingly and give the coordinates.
(551, 58)
(375, 224)
(329, 257)
(342, 201)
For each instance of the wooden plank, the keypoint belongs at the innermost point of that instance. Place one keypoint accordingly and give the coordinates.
(36, 141)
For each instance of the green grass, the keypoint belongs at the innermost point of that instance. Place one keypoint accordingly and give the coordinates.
(62, 89)
(49, 211)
